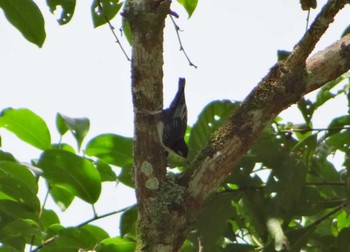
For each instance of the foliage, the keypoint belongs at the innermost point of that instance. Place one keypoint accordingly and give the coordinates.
(284, 193)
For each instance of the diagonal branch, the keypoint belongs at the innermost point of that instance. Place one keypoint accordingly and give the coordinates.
(283, 86)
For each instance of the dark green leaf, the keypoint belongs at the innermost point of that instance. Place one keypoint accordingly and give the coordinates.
(112, 149)
(73, 239)
(343, 239)
(325, 93)
(18, 230)
(308, 4)
(70, 172)
(103, 11)
(346, 31)
(340, 141)
(307, 109)
(212, 222)
(189, 5)
(27, 18)
(210, 119)
(67, 6)
(6, 156)
(26, 125)
(337, 124)
(125, 176)
(78, 126)
(117, 244)
(128, 222)
(282, 54)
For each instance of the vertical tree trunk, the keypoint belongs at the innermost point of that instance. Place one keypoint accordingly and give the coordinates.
(147, 20)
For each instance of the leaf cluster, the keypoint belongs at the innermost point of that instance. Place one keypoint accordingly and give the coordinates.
(27, 18)
(285, 193)
(68, 174)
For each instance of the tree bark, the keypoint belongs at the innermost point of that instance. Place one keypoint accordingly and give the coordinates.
(168, 207)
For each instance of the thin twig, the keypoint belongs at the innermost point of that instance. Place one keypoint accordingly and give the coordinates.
(100, 7)
(325, 183)
(177, 29)
(307, 19)
(314, 129)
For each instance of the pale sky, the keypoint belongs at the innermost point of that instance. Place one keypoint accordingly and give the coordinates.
(81, 72)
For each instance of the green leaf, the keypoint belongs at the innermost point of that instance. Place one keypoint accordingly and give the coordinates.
(189, 5)
(26, 125)
(125, 176)
(103, 11)
(211, 118)
(67, 6)
(19, 230)
(346, 31)
(27, 18)
(18, 184)
(343, 239)
(48, 218)
(128, 222)
(98, 233)
(105, 170)
(282, 54)
(112, 149)
(325, 94)
(117, 244)
(72, 173)
(62, 197)
(78, 126)
(127, 30)
(307, 109)
(212, 222)
(6, 156)
(73, 239)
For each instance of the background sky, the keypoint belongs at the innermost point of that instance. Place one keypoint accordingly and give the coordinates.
(81, 72)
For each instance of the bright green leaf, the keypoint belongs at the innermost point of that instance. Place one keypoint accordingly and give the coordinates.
(189, 5)
(112, 149)
(117, 244)
(70, 172)
(62, 197)
(105, 12)
(105, 170)
(27, 18)
(67, 6)
(26, 125)
(211, 118)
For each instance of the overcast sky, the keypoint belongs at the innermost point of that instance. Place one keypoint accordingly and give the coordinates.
(81, 72)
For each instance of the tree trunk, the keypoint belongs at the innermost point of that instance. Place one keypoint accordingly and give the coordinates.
(168, 207)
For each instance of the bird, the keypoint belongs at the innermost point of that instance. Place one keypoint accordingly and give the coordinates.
(172, 124)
